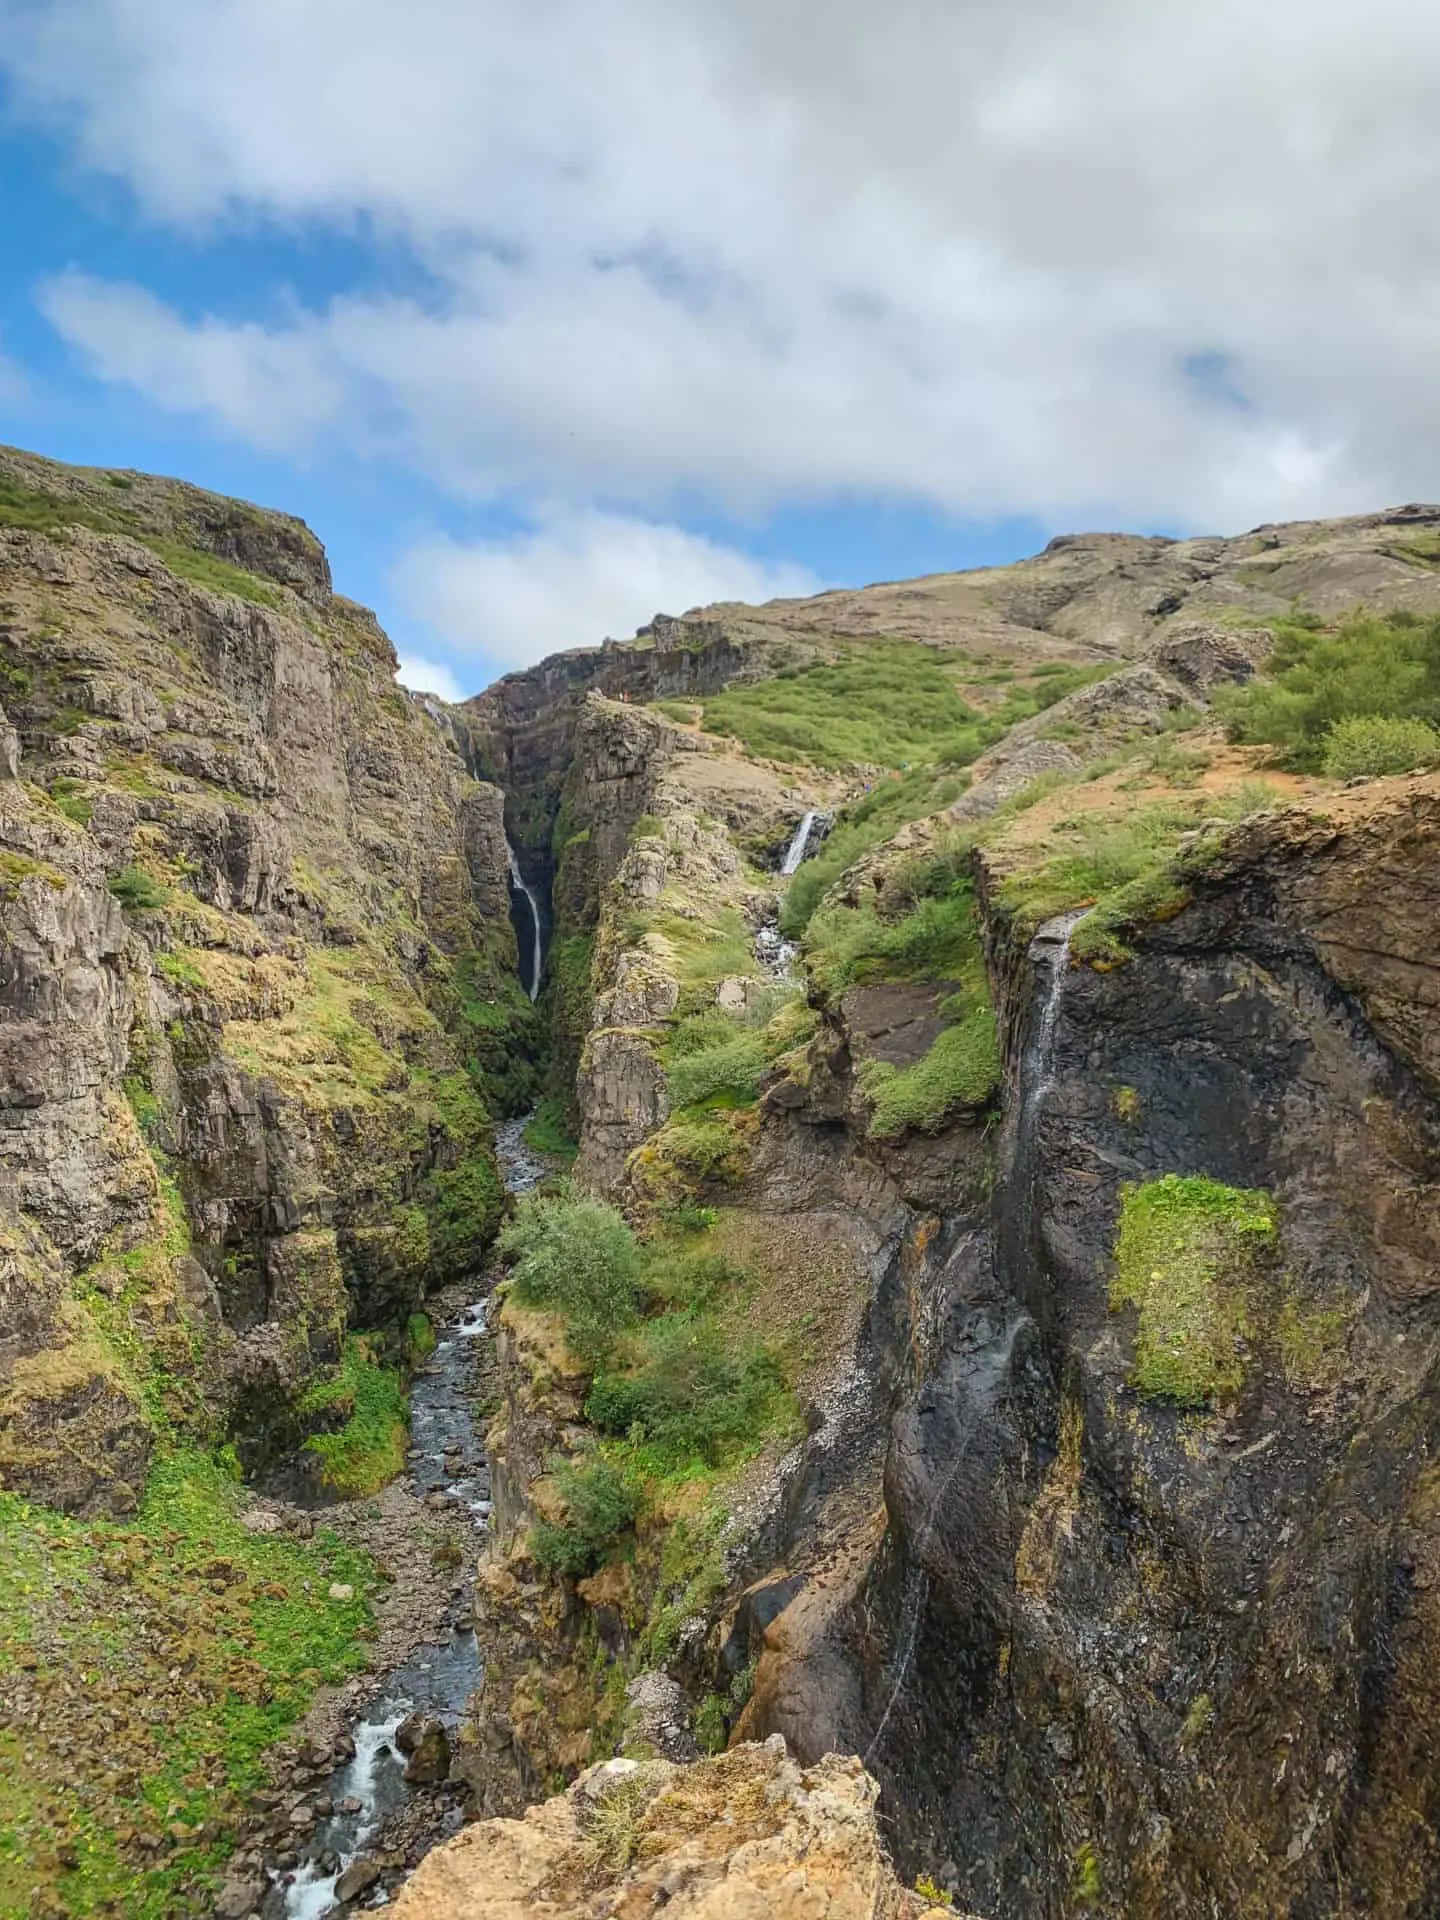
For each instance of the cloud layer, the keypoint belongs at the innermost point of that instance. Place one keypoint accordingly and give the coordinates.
(1136, 261)
(507, 603)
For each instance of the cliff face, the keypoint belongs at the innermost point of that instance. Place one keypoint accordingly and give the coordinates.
(1114, 1635)
(249, 904)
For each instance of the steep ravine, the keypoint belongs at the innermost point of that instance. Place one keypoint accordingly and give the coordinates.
(1088, 1499)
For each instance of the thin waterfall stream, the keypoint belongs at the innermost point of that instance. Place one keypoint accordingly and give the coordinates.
(447, 1463)
(520, 888)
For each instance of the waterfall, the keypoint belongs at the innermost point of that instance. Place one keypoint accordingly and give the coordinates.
(795, 852)
(517, 883)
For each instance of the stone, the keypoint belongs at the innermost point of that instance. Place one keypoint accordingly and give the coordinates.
(341, 1590)
(429, 1755)
(239, 1898)
(358, 1878)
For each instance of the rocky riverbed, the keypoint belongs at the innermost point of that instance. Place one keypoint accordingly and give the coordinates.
(363, 1792)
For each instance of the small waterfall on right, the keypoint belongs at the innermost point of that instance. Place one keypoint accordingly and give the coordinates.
(795, 852)
(530, 979)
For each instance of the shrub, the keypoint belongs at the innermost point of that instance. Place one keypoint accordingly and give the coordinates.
(734, 1065)
(962, 1069)
(138, 890)
(1371, 744)
(601, 1504)
(1185, 1250)
(1371, 666)
(579, 1258)
(691, 1394)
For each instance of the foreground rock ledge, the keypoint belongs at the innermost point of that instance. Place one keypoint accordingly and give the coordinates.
(747, 1836)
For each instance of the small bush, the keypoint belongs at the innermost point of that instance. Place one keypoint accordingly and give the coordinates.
(962, 1069)
(734, 1066)
(137, 890)
(1367, 745)
(1370, 666)
(579, 1258)
(691, 1394)
(602, 1503)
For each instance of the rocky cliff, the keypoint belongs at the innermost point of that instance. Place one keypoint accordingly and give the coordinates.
(993, 1330)
(250, 898)
(1106, 1546)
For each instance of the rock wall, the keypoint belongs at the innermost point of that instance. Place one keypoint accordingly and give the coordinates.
(1176, 1660)
(254, 938)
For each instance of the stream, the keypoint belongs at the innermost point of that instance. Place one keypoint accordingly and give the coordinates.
(446, 1463)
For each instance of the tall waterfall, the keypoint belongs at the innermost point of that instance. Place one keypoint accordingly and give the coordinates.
(530, 982)
(795, 852)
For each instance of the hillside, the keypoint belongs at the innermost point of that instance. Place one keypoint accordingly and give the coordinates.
(965, 1302)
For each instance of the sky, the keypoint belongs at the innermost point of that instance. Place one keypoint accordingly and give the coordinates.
(548, 318)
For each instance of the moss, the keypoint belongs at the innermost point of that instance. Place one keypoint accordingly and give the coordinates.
(1126, 1103)
(17, 868)
(1310, 1341)
(961, 1069)
(420, 1339)
(233, 1632)
(73, 799)
(1185, 1253)
(548, 1132)
(692, 1152)
(180, 970)
(367, 1448)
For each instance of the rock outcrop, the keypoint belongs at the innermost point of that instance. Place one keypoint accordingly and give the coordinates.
(750, 1836)
(249, 897)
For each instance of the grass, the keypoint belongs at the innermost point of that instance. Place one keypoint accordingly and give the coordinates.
(961, 1069)
(1123, 867)
(548, 1130)
(1186, 1252)
(155, 1661)
(367, 1449)
(885, 704)
(33, 511)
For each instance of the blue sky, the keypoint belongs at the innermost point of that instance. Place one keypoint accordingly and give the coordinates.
(549, 321)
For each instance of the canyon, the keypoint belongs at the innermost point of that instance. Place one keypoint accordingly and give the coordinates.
(1034, 1160)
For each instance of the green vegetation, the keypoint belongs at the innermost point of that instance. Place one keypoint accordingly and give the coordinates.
(548, 1130)
(1087, 1883)
(929, 1890)
(883, 703)
(962, 1069)
(420, 1341)
(720, 1058)
(1369, 744)
(138, 890)
(576, 1257)
(717, 1713)
(1123, 867)
(38, 512)
(679, 1388)
(368, 1449)
(1371, 667)
(1185, 1254)
(101, 1621)
(72, 797)
(602, 1501)
(880, 703)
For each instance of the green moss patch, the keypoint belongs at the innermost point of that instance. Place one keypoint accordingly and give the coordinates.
(962, 1069)
(1186, 1253)
(367, 1448)
(148, 1666)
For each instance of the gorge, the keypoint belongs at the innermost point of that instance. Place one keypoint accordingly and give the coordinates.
(994, 1352)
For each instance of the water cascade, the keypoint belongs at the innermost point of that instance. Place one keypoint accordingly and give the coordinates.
(529, 978)
(437, 1680)
(795, 852)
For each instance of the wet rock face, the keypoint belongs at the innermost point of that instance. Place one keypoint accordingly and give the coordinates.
(1176, 1660)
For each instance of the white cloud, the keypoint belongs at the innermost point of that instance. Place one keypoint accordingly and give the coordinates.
(428, 676)
(571, 581)
(976, 256)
